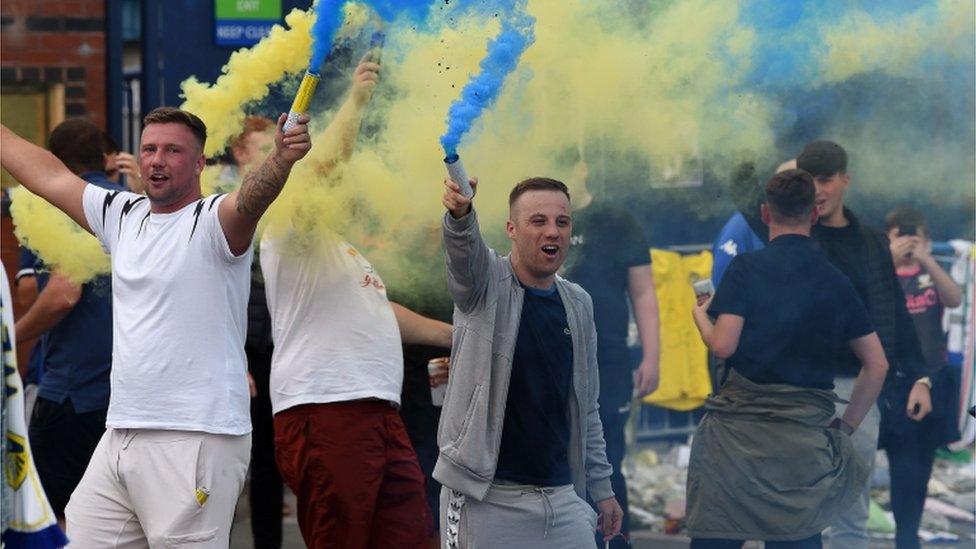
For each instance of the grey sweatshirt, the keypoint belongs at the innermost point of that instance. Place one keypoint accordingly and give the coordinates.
(488, 306)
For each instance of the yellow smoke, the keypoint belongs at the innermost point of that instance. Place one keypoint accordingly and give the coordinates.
(860, 44)
(250, 71)
(662, 80)
(60, 242)
(659, 91)
(246, 78)
(888, 157)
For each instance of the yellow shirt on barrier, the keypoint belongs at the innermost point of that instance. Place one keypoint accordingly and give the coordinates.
(684, 382)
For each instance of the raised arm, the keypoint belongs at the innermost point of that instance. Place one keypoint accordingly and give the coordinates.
(468, 257)
(338, 141)
(420, 330)
(240, 211)
(950, 294)
(43, 174)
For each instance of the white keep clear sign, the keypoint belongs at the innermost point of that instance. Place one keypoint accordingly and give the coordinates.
(244, 22)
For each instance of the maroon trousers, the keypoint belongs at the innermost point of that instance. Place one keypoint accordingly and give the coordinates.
(355, 474)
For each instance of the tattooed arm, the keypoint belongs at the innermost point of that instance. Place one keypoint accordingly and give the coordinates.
(240, 211)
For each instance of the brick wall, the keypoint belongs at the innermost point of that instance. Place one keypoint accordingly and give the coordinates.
(57, 41)
(44, 42)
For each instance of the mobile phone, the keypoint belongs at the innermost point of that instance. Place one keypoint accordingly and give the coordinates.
(704, 287)
(907, 230)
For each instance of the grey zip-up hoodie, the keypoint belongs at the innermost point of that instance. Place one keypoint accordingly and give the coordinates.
(487, 310)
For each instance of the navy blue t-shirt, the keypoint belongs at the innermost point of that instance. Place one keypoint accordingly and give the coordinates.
(78, 350)
(607, 241)
(28, 268)
(800, 313)
(535, 435)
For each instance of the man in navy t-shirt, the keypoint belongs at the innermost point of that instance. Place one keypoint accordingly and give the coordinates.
(737, 237)
(763, 463)
(27, 283)
(520, 437)
(69, 415)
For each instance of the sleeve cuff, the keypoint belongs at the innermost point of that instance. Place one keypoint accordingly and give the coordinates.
(462, 224)
(600, 489)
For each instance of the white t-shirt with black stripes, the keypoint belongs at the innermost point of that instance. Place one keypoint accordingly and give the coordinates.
(179, 305)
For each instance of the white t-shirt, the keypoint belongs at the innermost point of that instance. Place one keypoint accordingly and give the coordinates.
(335, 334)
(179, 300)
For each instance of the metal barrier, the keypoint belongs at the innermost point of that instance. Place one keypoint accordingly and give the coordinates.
(655, 424)
(652, 423)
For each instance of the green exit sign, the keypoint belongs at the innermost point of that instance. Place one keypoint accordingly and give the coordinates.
(248, 9)
(244, 22)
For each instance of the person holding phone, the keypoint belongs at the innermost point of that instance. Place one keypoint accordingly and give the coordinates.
(909, 440)
(767, 463)
(863, 256)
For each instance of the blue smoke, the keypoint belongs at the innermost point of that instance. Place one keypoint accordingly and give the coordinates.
(786, 65)
(482, 90)
(328, 17)
(790, 36)
(389, 10)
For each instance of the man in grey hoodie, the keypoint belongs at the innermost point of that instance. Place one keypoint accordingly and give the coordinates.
(520, 438)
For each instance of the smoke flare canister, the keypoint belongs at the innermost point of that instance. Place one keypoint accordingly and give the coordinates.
(376, 46)
(302, 99)
(455, 170)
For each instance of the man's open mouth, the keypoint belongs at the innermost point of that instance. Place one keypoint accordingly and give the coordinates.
(550, 250)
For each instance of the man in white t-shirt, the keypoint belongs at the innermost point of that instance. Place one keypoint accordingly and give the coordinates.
(336, 376)
(170, 466)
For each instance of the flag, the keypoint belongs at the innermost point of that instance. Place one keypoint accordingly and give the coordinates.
(28, 520)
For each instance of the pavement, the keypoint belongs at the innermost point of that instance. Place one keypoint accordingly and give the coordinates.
(292, 539)
(241, 537)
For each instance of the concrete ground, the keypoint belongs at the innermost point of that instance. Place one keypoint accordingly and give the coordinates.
(292, 539)
(645, 539)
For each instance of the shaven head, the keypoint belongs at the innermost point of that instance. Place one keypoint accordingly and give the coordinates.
(171, 158)
(788, 165)
(172, 115)
(535, 184)
(254, 142)
(790, 198)
(540, 226)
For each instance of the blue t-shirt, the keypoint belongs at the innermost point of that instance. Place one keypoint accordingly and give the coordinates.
(535, 434)
(735, 238)
(78, 351)
(800, 313)
(28, 268)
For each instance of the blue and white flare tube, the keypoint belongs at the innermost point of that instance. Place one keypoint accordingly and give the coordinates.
(457, 173)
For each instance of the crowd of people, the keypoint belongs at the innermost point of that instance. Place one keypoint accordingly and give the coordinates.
(205, 354)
